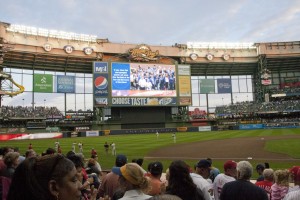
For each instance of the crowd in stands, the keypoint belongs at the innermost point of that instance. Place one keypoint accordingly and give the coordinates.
(29, 112)
(53, 175)
(240, 108)
(287, 90)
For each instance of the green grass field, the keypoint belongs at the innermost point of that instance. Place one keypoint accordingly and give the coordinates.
(138, 145)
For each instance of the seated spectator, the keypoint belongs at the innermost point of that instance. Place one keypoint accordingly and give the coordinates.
(133, 181)
(294, 192)
(213, 171)
(11, 160)
(295, 178)
(201, 176)
(86, 181)
(281, 185)
(180, 182)
(229, 175)
(242, 188)
(268, 181)
(110, 182)
(140, 161)
(97, 164)
(43, 178)
(259, 169)
(157, 186)
(30, 153)
(165, 197)
(93, 171)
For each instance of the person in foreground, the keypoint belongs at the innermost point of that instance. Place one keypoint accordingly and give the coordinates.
(45, 178)
(180, 182)
(132, 181)
(242, 188)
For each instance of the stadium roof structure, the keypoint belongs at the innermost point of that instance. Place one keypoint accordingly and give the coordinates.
(57, 51)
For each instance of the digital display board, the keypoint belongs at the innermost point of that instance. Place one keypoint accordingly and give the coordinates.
(119, 84)
(143, 80)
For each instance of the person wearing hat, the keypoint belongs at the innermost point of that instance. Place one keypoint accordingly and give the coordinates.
(214, 172)
(110, 182)
(157, 186)
(294, 192)
(229, 175)
(200, 177)
(260, 169)
(133, 181)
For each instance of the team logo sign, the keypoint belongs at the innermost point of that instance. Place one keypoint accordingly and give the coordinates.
(143, 53)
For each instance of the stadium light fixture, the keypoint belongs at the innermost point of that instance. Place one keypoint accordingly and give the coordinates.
(217, 45)
(51, 33)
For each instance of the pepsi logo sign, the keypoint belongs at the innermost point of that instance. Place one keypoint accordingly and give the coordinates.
(101, 83)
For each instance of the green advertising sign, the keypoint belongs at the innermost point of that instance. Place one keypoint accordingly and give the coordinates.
(43, 83)
(207, 86)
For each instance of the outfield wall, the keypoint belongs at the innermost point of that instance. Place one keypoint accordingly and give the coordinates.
(96, 133)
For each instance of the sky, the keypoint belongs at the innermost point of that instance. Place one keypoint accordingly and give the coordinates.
(162, 22)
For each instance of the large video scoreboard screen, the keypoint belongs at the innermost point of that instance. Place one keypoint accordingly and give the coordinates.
(138, 84)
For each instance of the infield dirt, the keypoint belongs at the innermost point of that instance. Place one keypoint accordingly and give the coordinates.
(236, 148)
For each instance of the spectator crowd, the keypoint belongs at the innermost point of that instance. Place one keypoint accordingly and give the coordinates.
(53, 175)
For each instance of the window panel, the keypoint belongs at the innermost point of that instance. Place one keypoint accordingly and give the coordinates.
(88, 85)
(195, 86)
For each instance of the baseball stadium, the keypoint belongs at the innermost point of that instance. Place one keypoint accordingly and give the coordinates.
(222, 100)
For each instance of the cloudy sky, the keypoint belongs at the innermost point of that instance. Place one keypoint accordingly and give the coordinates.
(160, 22)
(164, 22)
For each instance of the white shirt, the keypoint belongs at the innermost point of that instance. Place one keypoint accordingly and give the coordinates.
(135, 194)
(219, 182)
(113, 146)
(202, 184)
(293, 195)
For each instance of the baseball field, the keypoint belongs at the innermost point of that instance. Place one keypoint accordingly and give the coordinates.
(279, 147)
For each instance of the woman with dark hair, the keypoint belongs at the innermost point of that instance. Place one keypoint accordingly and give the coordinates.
(48, 177)
(82, 175)
(180, 182)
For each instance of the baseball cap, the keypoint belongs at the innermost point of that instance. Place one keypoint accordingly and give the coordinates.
(260, 166)
(121, 160)
(230, 164)
(294, 170)
(203, 164)
(132, 172)
(156, 168)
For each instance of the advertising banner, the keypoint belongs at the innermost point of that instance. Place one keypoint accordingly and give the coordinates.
(101, 101)
(207, 86)
(204, 128)
(184, 70)
(101, 85)
(92, 133)
(100, 67)
(184, 86)
(26, 136)
(250, 126)
(224, 85)
(65, 84)
(185, 101)
(143, 101)
(43, 83)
